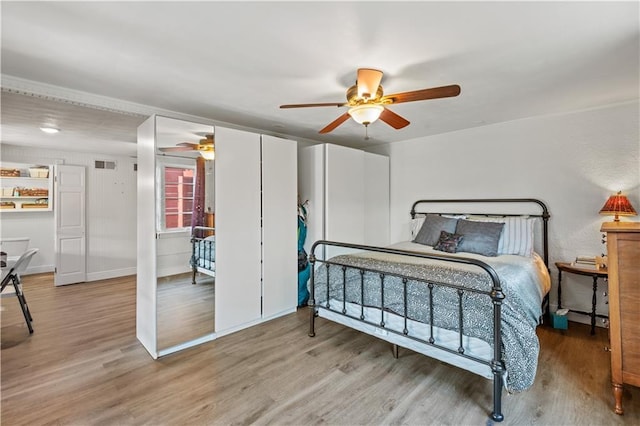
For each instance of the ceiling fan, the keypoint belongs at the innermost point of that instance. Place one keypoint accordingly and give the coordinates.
(205, 147)
(367, 102)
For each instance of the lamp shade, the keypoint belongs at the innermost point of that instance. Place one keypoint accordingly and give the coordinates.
(618, 205)
(208, 154)
(366, 113)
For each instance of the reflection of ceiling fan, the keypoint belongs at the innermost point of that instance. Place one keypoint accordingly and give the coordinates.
(367, 102)
(205, 147)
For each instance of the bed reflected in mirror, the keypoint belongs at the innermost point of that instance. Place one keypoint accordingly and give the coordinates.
(185, 243)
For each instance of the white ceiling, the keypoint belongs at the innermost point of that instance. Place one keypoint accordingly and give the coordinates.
(236, 62)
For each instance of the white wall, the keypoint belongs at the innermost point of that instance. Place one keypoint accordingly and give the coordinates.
(572, 162)
(111, 213)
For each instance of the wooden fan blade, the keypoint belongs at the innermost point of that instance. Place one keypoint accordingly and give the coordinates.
(335, 123)
(188, 144)
(393, 119)
(424, 94)
(333, 104)
(368, 82)
(176, 149)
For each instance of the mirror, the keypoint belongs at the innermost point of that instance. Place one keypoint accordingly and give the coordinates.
(185, 242)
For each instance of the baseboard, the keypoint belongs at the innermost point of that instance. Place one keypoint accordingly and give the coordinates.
(172, 270)
(91, 276)
(114, 273)
(39, 269)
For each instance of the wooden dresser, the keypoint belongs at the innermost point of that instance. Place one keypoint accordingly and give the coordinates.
(623, 246)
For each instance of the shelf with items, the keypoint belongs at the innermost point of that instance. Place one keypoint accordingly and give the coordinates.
(25, 187)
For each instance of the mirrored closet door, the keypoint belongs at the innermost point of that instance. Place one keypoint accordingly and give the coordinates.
(177, 222)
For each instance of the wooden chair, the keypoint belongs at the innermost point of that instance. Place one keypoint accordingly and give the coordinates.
(13, 276)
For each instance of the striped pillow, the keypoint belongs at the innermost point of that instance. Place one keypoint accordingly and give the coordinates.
(415, 226)
(517, 234)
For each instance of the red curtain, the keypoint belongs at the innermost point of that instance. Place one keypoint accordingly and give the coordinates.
(198, 197)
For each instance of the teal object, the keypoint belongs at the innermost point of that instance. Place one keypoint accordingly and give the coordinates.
(559, 321)
(302, 233)
(304, 268)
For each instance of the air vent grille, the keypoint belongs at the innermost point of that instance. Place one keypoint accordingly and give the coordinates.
(103, 164)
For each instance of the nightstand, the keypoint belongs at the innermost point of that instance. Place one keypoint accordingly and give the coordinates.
(590, 271)
(623, 247)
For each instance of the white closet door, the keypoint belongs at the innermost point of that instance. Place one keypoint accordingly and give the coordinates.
(376, 199)
(237, 189)
(344, 196)
(279, 226)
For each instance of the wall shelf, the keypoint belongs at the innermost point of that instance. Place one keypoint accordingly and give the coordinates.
(26, 188)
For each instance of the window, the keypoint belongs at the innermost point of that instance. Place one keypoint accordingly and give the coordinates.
(178, 195)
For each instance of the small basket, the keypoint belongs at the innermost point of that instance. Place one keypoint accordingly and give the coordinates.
(39, 172)
(7, 205)
(5, 172)
(34, 192)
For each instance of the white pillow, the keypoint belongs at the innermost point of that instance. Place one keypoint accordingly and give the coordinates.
(415, 226)
(517, 234)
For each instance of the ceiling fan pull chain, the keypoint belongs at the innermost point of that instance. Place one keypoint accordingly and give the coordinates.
(366, 132)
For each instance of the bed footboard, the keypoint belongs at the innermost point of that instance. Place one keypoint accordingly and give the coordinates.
(337, 305)
(202, 251)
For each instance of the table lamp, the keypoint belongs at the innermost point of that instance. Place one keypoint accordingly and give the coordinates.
(618, 205)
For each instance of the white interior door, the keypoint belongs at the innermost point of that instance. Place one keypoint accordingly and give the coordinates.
(69, 211)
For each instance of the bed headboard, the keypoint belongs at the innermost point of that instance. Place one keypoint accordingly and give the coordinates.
(519, 207)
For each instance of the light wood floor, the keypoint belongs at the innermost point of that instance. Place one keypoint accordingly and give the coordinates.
(175, 323)
(84, 366)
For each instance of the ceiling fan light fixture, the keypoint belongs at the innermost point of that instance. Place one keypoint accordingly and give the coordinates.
(366, 113)
(49, 129)
(208, 155)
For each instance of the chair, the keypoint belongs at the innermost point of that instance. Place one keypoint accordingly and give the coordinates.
(13, 276)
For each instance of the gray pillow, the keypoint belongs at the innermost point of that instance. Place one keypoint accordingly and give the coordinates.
(479, 237)
(431, 228)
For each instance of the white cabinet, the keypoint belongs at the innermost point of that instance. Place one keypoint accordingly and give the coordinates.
(348, 193)
(26, 187)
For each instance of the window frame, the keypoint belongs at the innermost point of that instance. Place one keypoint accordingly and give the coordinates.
(161, 213)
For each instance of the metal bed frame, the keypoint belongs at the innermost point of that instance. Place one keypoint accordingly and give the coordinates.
(495, 294)
(198, 252)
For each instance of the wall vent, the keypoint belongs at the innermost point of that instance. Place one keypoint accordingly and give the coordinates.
(102, 164)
